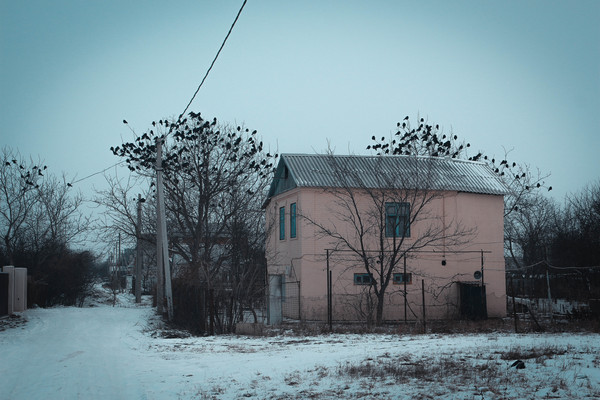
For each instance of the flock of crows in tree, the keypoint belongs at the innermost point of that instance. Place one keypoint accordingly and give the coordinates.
(428, 140)
(31, 176)
(195, 142)
(195, 139)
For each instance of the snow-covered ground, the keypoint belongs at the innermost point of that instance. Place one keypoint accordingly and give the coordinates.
(107, 352)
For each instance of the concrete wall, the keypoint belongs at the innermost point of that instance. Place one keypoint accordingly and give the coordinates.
(17, 288)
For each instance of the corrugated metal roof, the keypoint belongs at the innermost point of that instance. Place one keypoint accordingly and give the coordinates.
(408, 172)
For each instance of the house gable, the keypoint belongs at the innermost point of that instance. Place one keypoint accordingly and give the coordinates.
(283, 180)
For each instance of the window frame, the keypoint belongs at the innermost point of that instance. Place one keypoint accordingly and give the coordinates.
(401, 216)
(401, 280)
(359, 279)
(292, 220)
(282, 223)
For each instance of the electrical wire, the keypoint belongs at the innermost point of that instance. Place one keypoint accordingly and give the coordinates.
(96, 173)
(213, 61)
(195, 93)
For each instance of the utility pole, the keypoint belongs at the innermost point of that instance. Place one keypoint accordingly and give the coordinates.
(160, 280)
(138, 252)
(162, 245)
(119, 263)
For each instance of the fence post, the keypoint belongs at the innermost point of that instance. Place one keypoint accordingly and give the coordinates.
(330, 301)
(512, 289)
(423, 296)
(404, 280)
(329, 297)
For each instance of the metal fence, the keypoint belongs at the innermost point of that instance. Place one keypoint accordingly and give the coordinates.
(543, 290)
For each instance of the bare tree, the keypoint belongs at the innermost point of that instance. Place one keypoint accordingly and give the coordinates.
(40, 219)
(523, 183)
(215, 177)
(576, 240)
(401, 200)
(18, 183)
(119, 209)
(56, 218)
(389, 214)
(530, 230)
(118, 204)
(247, 263)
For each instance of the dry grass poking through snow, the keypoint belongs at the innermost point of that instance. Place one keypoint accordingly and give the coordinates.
(490, 378)
(464, 367)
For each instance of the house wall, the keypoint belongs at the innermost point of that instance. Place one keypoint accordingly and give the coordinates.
(284, 257)
(304, 259)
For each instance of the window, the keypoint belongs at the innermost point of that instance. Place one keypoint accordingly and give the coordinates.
(400, 278)
(364, 279)
(281, 223)
(293, 220)
(397, 219)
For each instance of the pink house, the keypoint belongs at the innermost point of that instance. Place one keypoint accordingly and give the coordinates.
(386, 238)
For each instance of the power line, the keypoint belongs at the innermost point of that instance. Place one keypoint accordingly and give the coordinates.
(99, 172)
(213, 61)
(195, 93)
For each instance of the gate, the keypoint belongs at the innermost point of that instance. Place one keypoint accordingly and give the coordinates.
(472, 301)
(284, 299)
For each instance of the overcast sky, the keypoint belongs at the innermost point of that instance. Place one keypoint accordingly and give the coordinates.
(517, 75)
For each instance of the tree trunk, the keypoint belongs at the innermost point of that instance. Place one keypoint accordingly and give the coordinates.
(380, 303)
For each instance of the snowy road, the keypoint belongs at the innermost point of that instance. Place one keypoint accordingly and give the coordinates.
(108, 353)
(75, 353)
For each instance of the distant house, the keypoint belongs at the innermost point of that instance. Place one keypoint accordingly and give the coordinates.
(319, 207)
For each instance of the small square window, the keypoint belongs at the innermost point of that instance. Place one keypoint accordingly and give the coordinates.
(364, 279)
(400, 278)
